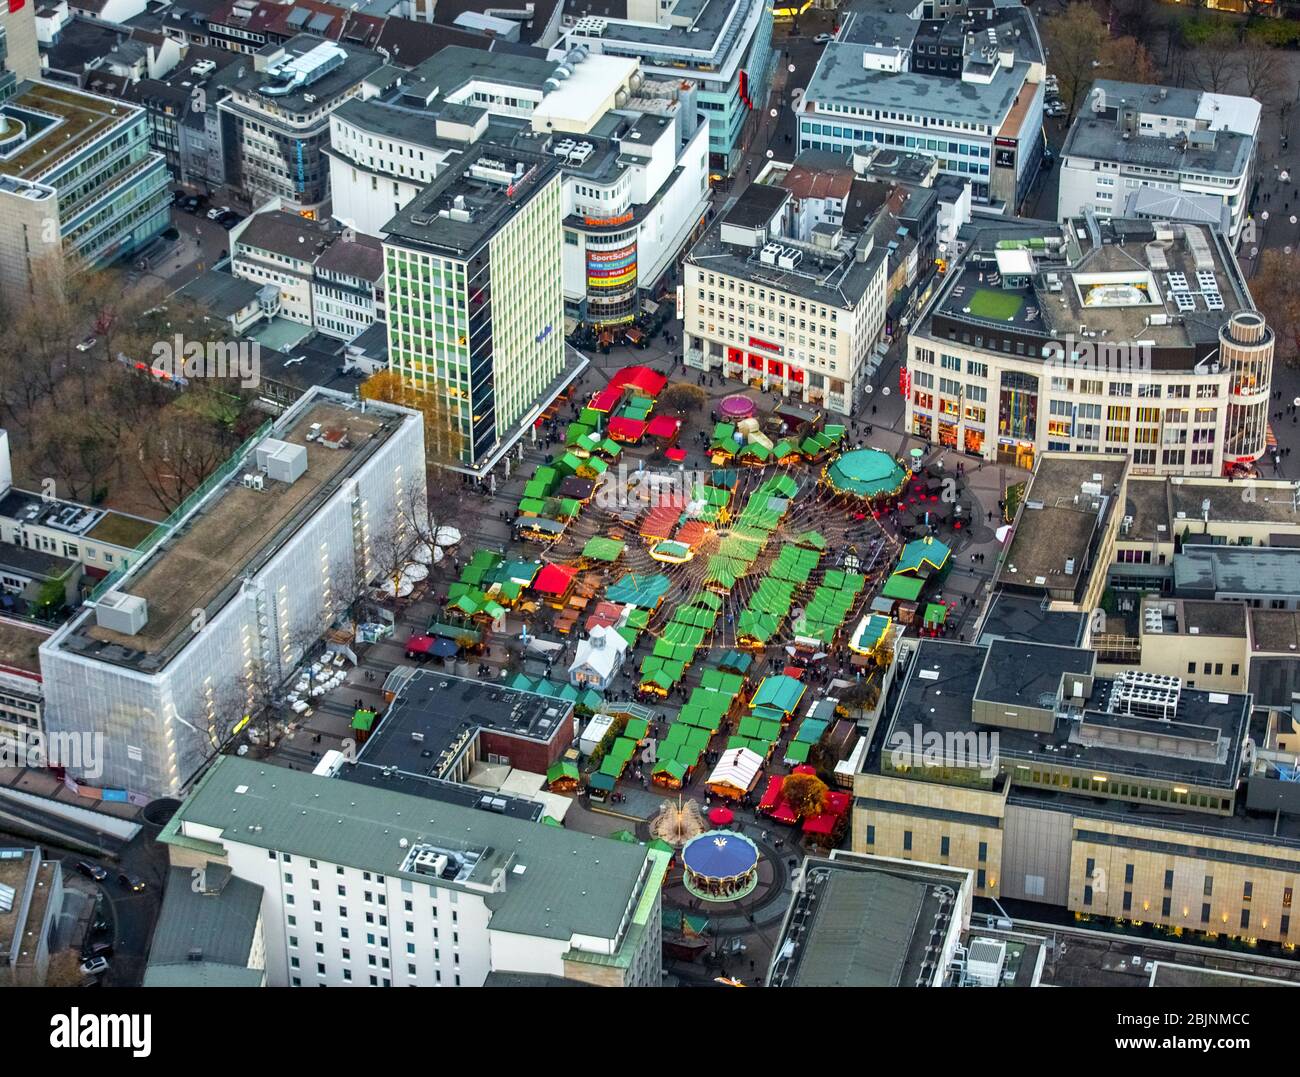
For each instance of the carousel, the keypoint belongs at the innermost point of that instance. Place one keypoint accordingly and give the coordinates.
(865, 473)
(720, 866)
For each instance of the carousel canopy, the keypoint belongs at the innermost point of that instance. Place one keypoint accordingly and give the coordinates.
(720, 854)
(865, 473)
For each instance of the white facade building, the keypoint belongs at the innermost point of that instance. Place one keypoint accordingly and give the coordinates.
(1132, 141)
(176, 652)
(786, 299)
(354, 896)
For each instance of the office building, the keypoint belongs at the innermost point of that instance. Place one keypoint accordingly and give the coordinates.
(965, 87)
(363, 885)
(474, 290)
(1117, 336)
(176, 652)
(1161, 152)
(78, 181)
(18, 27)
(722, 47)
(277, 118)
(789, 287)
(1131, 797)
(632, 152)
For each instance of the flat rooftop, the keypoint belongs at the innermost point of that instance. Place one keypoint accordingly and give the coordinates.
(1274, 630)
(308, 97)
(831, 276)
(437, 716)
(1211, 571)
(1019, 617)
(859, 923)
(842, 79)
(945, 677)
(60, 122)
(1121, 284)
(1029, 674)
(1196, 618)
(16, 872)
(1058, 521)
(558, 883)
(236, 530)
(1168, 975)
(488, 203)
(20, 646)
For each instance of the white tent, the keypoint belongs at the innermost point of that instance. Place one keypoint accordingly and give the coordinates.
(598, 658)
(738, 768)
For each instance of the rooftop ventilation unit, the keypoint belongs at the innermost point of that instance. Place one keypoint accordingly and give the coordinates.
(120, 612)
(285, 76)
(769, 254)
(789, 258)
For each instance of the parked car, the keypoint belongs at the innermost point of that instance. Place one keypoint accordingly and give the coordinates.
(92, 871)
(86, 344)
(822, 39)
(97, 949)
(96, 966)
(217, 213)
(132, 882)
(229, 219)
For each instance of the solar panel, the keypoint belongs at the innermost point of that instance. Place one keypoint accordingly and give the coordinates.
(298, 16)
(320, 22)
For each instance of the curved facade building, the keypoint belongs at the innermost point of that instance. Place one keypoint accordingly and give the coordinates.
(1246, 349)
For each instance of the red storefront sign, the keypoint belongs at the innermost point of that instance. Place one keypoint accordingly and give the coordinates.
(904, 380)
(755, 342)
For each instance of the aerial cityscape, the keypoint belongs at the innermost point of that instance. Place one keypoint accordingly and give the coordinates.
(649, 493)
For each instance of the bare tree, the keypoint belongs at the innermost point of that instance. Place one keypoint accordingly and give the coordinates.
(1264, 71)
(1276, 289)
(179, 451)
(1215, 62)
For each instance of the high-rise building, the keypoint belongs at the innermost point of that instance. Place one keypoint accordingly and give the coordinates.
(473, 283)
(78, 180)
(18, 23)
(277, 118)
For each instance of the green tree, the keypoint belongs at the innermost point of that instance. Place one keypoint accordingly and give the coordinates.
(805, 793)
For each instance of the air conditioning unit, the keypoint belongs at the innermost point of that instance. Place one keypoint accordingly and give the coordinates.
(789, 258)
